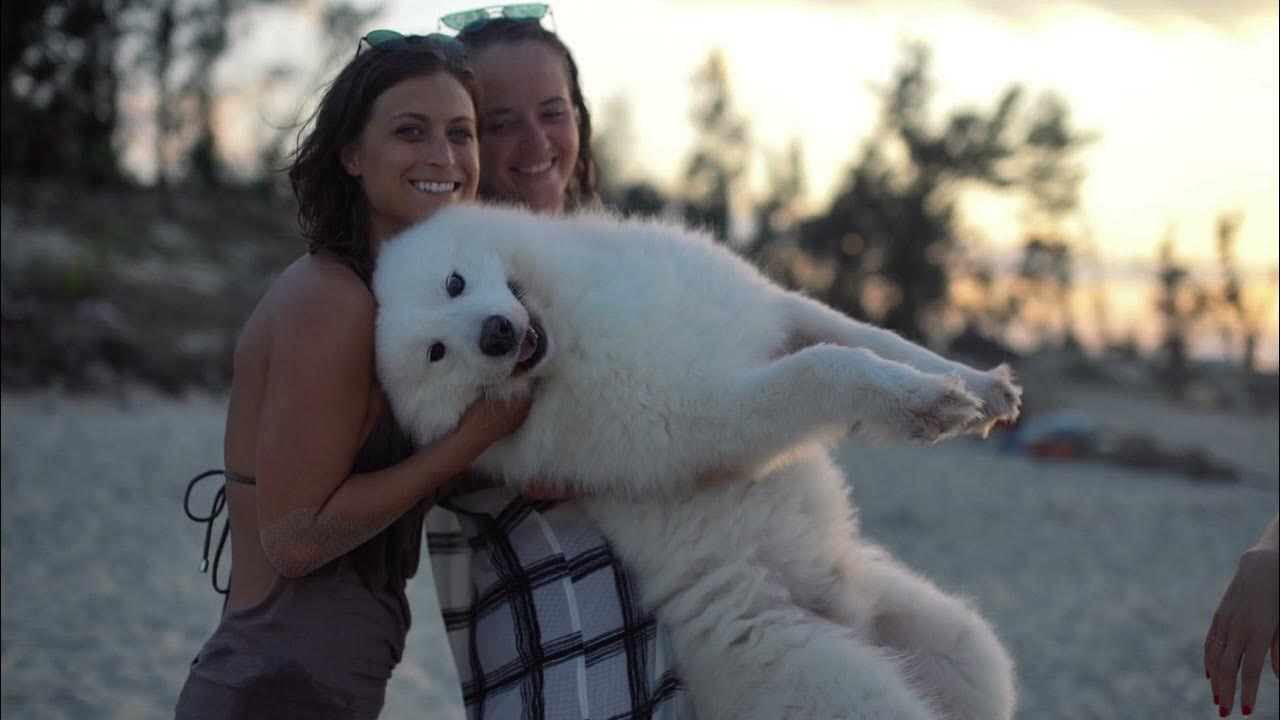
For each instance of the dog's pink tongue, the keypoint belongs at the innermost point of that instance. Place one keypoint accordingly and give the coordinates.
(528, 345)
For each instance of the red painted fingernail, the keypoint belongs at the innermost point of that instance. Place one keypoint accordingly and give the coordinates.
(1223, 712)
(1246, 709)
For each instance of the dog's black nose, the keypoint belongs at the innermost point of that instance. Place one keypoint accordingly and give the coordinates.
(497, 336)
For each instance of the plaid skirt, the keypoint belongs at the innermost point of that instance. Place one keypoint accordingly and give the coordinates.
(542, 619)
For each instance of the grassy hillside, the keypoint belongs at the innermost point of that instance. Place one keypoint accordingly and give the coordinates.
(103, 285)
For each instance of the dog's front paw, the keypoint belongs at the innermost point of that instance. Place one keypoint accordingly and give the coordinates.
(942, 408)
(927, 408)
(1000, 394)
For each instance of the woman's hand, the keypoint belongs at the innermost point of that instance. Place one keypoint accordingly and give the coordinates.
(1244, 629)
(484, 423)
(489, 420)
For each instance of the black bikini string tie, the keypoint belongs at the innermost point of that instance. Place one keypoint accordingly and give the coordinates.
(219, 502)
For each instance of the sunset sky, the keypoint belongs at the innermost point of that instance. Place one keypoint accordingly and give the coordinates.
(1182, 94)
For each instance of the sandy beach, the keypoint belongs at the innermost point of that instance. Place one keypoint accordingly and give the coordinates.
(1101, 580)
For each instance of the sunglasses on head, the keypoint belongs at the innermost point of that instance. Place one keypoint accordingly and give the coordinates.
(469, 21)
(392, 40)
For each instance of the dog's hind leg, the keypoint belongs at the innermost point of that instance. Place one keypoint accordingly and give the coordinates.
(803, 671)
(818, 393)
(951, 653)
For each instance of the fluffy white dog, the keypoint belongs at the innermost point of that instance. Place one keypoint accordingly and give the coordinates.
(663, 359)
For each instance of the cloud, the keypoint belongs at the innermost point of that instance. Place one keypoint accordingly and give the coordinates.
(1222, 14)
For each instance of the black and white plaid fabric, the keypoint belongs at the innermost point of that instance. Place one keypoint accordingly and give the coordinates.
(542, 619)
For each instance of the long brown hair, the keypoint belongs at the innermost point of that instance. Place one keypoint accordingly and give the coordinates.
(332, 211)
(582, 186)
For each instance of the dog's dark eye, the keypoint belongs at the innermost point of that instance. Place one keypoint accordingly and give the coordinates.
(454, 285)
(436, 352)
(515, 288)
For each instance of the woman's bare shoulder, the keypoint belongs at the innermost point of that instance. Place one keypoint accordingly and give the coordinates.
(316, 301)
(320, 288)
(321, 276)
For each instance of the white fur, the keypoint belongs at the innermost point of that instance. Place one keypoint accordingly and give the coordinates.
(667, 364)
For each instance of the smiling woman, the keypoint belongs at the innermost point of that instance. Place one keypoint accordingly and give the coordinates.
(542, 617)
(537, 128)
(416, 153)
(397, 142)
(327, 505)
(530, 134)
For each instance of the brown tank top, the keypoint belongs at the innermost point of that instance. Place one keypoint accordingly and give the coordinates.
(332, 637)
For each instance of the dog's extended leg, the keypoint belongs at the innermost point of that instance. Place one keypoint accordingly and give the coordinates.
(803, 671)
(823, 390)
(812, 322)
(952, 654)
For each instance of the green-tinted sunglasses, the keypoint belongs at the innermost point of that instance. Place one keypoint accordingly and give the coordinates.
(392, 40)
(472, 20)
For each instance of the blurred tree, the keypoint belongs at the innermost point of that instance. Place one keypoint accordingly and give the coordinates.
(187, 42)
(209, 45)
(62, 71)
(65, 63)
(59, 88)
(980, 296)
(1241, 313)
(1042, 294)
(639, 198)
(1051, 179)
(1051, 176)
(620, 188)
(721, 150)
(1181, 303)
(1232, 316)
(340, 25)
(776, 215)
(612, 138)
(162, 65)
(891, 231)
(1087, 255)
